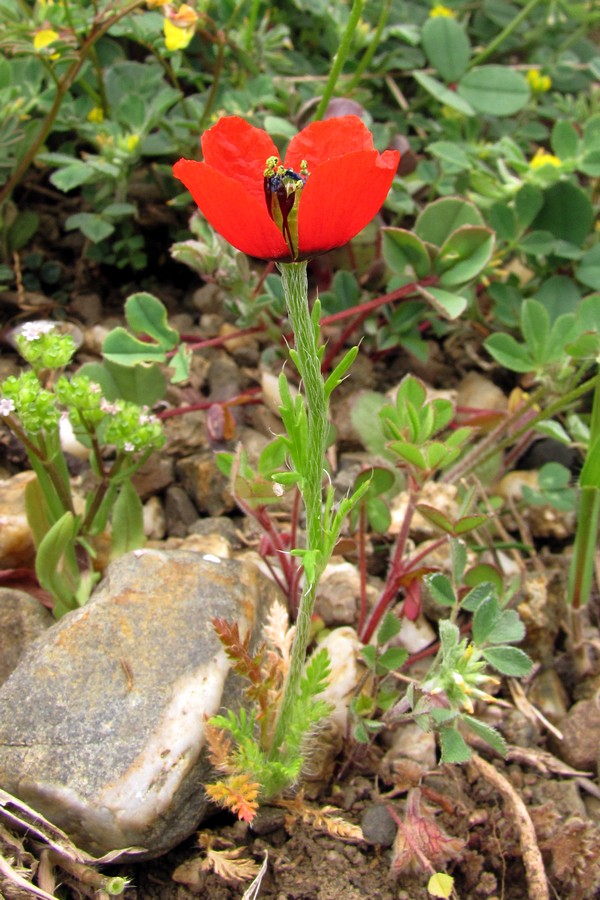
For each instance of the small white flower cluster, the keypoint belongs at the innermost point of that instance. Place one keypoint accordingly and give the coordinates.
(31, 331)
(147, 418)
(6, 406)
(108, 407)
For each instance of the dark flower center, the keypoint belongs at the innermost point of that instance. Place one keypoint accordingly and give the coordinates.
(282, 193)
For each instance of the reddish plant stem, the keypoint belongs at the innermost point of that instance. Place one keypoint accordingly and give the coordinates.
(412, 561)
(248, 398)
(338, 345)
(396, 572)
(260, 515)
(362, 566)
(217, 341)
(267, 270)
(399, 294)
(361, 312)
(364, 310)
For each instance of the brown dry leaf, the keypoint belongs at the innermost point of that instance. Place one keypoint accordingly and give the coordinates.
(231, 865)
(323, 819)
(420, 844)
(218, 748)
(278, 632)
(228, 863)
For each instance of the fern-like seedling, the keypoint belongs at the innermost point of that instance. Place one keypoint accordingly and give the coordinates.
(241, 744)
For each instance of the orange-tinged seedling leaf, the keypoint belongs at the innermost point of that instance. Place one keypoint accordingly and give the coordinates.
(238, 794)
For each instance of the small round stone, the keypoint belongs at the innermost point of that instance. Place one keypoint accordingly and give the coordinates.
(377, 825)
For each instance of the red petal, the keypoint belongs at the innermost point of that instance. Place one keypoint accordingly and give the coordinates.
(341, 196)
(330, 139)
(239, 150)
(232, 210)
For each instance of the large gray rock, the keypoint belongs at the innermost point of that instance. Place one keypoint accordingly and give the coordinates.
(22, 620)
(102, 722)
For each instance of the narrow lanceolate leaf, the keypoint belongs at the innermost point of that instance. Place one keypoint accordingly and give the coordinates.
(127, 521)
(340, 371)
(443, 94)
(55, 561)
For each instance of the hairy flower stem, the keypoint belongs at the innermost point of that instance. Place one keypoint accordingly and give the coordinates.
(306, 338)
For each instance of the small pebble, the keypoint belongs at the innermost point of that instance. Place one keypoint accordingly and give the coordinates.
(267, 820)
(377, 825)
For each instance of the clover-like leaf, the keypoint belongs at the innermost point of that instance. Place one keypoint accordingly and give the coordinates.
(508, 660)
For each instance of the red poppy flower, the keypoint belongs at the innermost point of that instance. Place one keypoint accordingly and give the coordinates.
(330, 185)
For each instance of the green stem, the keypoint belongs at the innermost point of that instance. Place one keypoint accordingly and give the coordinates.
(491, 445)
(373, 45)
(217, 72)
(340, 57)
(251, 24)
(52, 473)
(581, 572)
(306, 339)
(504, 34)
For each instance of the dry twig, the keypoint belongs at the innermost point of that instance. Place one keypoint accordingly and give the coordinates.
(532, 857)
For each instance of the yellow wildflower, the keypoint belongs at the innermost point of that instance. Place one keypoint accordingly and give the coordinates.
(440, 10)
(129, 143)
(96, 114)
(185, 17)
(542, 158)
(179, 28)
(538, 83)
(44, 38)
